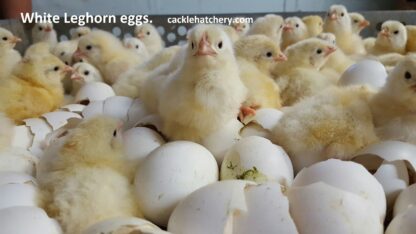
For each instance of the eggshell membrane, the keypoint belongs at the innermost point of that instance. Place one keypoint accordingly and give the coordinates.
(22, 137)
(403, 223)
(366, 72)
(18, 160)
(405, 200)
(11, 177)
(58, 119)
(18, 195)
(320, 208)
(136, 112)
(93, 109)
(169, 174)
(348, 176)
(124, 225)
(94, 91)
(117, 107)
(25, 219)
(270, 160)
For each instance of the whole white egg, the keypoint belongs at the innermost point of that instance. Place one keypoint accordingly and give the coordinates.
(366, 72)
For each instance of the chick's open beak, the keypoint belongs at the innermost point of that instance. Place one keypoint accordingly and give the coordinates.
(280, 57)
(364, 24)
(329, 50)
(15, 40)
(204, 47)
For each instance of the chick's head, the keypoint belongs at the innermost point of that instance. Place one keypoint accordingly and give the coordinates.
(240, 25)
(79, 32)
(270, 25)
(314, 23)
(337, 20)
(329, 37)
(261, 50)
(358, 22)
(64, 50)
(7, 39)
(42, 29)
(85, 73)
(392, 34)
(312, 52)
(146, 33)
(294, 27)
(136, 46)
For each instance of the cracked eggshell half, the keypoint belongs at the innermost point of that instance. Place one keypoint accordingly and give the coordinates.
(366, 72)
(11, 177)
(22, 137)
(169, 174)
(347, 176)
(18, 195)
(320, 208)
(262, 123)
(136, 112)
(403, 223)
(124, 225)
(220, 141)
(35, 221)
(39, 128)
(258, 159)
(405, 200)
(75, 108)
(58, 119)
(93, 109)
(18, 160)
(94, 91)
(117, 107)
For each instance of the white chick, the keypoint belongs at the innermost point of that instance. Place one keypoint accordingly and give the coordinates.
(64, 50)
(9, 57)
(269, 25)
(84, 73)
(314, 23)
(148, 34)
(231, 33)
(294, 30)
(206, 92)
(391, 39)
(79, 32)
(358, 22)
(44, 32)
(338, 22)
(240, 25)
(106, 52)
(136, 46)
(299, 76)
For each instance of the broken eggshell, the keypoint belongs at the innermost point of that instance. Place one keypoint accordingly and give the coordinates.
(93, 91)
(18, 195)
(124, 225)
(405, 200)
(39, 128)
(75, 108)
(258, 159)
(261, 123)
(151, 121)
(18, 160)
(403, 223)
(11, 177)
(366, 72)
(58, 119)
(136, 112)
(22, 137)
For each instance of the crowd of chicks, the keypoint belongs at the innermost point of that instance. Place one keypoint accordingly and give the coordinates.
(277, 79)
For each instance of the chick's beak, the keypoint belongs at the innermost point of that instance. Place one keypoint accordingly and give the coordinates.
(329, 50)
(204, 47)
(68, 69)
(140, 35)
(384, 33)
(78, 54)
(48, 29)
(287, 27)
(333, 16)
(364, 24)
(280, 57)
(76, 76)
(16, 40)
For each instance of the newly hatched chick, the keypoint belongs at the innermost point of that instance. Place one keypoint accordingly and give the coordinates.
(358, 22)
(107, 53)
(294, 30)
(231, 33)
(136, 46)
(9, 57)
(332, 124)
(149, 35)
(64, 50)
(391, 39)
(314, 23)
(6, 131)
(44, 32)
(411, 38)
(338, 22)
(240, 25)
(256, 55)
(88, 181)
(34, 88)
(79, 32)
(299, 76)
(84, 73)
(269, 25)
(206, 92)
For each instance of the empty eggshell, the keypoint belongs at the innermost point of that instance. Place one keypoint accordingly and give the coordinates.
(261, 123)
(58, 119)
(18, 195)
(169, 174)
(22, 137)
(76, 108)
(320, 208)
(136, 112)
(39, 128)
(348, 176)
(117, 107)
(403, 223)
(220, 141)
(139, 142)
(11, 177)
(366, 72)
(124, 225)
(258, 159)
(405, 200)
(93, 109)
(26, 219)
(94, 91)
(18, 160)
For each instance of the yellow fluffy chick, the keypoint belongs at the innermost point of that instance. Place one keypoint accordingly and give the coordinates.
(87, 181)
(338, 22)
(37, 50)
(391, 39)
(358, 22)
(9, 57)
(79, 32)
(206, 92)
(240, 25)
(6, 131)
(64, 50)
(148, 34)
(314, 23)
(44, 32)
(299, 76)
(136, 46)
(84, 73)
(294, 30)
(33, 89)
(256, 55)
(231, 33)
(333, 124)
(107, 53)
(411, 38)
(269, 25)
(369, 43)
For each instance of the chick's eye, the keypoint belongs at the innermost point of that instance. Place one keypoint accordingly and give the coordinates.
(355, 21)
(319, 51)
(192, 45)
(115, 133)
(88, 47)
(79, 34)
(86, 73)
(4, 38)
(244, 26)
(40, 28)
(220, 44)
(62, 53)
(342, 14)
(148, 33)
(56, 68)
(137, 46)
(297, 25)
(407, 75)
(269, 54)
(396, 32)
(66, 63)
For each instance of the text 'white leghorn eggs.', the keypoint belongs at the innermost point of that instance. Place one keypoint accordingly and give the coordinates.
(94, 91)
(405, 200)
(320, 208)
(26, 219)
(18, 160)
(169, 174)
(258, 159)
(366, 72)
(233, 206)
(18, 195)
(348, 176)
(139, 142)
(124, 225)
(403, 223)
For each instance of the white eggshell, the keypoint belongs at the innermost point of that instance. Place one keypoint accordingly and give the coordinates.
(58, 119)
(210, 209)
(18, 160)
(94, 91)
(405, 200)
(154, 121)
(11, 177)
(266, 118)
(26, 219)
(258, 159)
(39, 128)
(220, 141)
(124, 225)
(320, 208)
(117, 107)
(18, 195)
(76, 108)
(136, 112)
(93, 109)
(366, 72)
(139, 142)
(348, 176)
(403, 223)
(22, 137)
(169, 174)
(254, 129)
